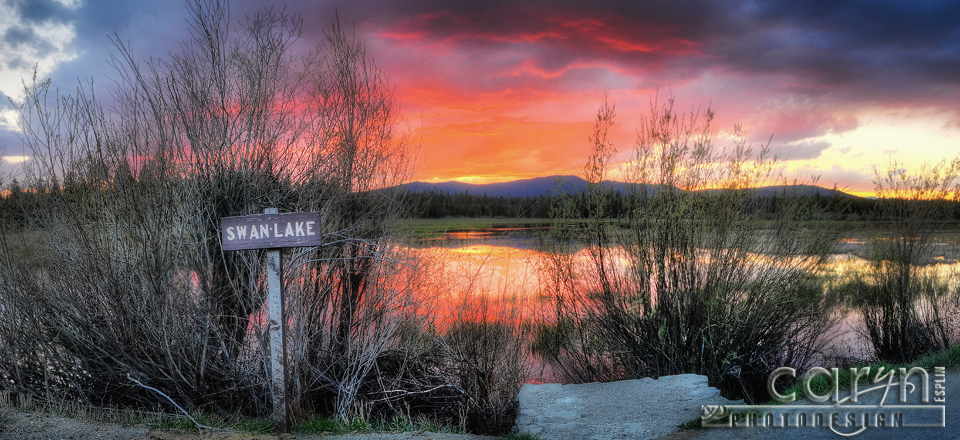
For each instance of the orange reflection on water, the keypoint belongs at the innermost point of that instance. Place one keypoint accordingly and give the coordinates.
(483, 283)
(469, 235)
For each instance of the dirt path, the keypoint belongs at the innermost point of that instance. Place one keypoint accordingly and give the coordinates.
(16, 425)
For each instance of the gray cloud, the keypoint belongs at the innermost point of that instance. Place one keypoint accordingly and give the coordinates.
(42, 11)
(856, 53)
(879, 50)
(17, 35)
(801, 150)
(21, 38)
(885, 51)
(845, 178)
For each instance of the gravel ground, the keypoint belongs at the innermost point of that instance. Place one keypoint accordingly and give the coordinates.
(20, 425)
(16, 425)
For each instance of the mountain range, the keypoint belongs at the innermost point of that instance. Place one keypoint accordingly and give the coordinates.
(542, 186)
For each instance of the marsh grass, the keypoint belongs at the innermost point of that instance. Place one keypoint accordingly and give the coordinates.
(75, 410)
(236, 422)
(522, 435)
(315, 424)
(318, 425)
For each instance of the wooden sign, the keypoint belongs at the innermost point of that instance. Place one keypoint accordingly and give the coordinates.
(270, 231)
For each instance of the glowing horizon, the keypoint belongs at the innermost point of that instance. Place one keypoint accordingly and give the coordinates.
(494, 92)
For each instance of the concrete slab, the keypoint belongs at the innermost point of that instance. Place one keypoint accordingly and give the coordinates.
(630, 409)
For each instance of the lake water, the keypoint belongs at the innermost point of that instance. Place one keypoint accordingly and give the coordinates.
(499, 269)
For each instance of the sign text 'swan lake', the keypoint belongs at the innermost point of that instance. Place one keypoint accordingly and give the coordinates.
(266, 231)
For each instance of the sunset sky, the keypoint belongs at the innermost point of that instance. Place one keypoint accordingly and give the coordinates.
(500, 90)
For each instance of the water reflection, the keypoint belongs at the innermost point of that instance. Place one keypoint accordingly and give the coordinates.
(496, 272)
(493, 261)
(517, 238)
(483, 282)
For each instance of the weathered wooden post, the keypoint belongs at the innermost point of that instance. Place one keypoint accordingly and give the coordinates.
(280, 380)
(273, 231)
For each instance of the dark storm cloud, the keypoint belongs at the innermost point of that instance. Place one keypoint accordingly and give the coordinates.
(883, 49)
(41, 11)
(875, 48)
(565, 33)
(19, 37)
(152, 29)
(842, 42)
(22, 37)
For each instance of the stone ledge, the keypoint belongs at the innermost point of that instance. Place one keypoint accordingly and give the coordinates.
(635, 409)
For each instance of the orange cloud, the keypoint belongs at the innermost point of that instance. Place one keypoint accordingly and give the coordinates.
(497, 92)
(502, 149)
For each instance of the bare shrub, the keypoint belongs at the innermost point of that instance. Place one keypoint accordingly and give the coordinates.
(124, 280)
(694, 278)
(907, 306)
(490, 350)
(116, 291)
(463, 362)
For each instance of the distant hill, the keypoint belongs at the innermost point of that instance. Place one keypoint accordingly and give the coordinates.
(804, 190)
(542, 186)
(536, 187)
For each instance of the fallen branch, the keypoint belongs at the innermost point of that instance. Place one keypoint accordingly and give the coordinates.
(195, 422)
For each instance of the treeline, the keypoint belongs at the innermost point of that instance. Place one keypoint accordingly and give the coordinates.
(439, 204)
(16, 202)
(10, 212)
